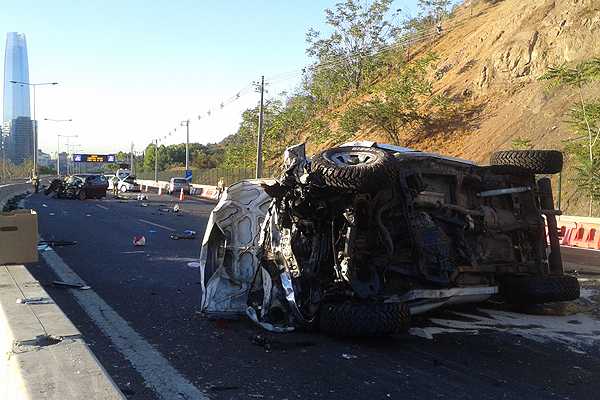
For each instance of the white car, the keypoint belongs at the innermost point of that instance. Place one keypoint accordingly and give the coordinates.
(176, 184)
(126, 183)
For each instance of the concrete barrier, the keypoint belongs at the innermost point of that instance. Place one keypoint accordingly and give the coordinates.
(10, 190)
(43, 353)
(203, 191)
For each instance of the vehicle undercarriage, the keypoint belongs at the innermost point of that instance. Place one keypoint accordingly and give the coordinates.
(360, 237)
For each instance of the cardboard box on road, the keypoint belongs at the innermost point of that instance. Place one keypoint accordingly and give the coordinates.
(18, 237)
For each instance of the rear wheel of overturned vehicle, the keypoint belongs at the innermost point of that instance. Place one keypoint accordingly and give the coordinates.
(537, 161)
(364, 319)
(355, 168)
(539, 289)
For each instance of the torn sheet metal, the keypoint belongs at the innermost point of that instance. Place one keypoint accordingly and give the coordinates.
(230, 246)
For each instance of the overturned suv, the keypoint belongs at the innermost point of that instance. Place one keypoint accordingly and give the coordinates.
(360, 237)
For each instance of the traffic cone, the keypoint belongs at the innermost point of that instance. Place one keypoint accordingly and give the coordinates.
(181, 195)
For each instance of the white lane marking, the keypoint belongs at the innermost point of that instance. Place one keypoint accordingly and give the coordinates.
(156, 371)
(101, 206)
(158, 225)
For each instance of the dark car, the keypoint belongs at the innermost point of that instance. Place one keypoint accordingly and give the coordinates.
(94, 186)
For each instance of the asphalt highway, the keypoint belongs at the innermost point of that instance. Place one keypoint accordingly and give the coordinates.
(145, 329)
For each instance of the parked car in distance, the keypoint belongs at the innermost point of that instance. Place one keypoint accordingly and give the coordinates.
(92, 185)
(176, 184)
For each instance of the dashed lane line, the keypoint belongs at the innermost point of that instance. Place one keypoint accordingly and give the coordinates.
(157, 225)
(101, 206)
(157, 372)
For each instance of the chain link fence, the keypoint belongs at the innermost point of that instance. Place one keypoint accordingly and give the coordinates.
(211, 176)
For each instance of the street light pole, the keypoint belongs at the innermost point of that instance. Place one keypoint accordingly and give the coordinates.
(156, 162)
(35, 133)
(58, 142)
(58, 152)
(259, 160)
(186, 123)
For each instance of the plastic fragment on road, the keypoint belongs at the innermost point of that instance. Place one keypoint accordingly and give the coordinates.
(139, 240)
(187, 234)
(144, 205)
(349, 356)
(194, 264)
(176, 208)
(88, 215)
(44, 205)
(51, 214)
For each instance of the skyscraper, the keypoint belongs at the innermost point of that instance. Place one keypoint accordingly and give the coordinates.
(18, 127)
(16, 68)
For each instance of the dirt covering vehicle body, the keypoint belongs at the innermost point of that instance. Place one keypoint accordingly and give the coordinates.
(361, 236)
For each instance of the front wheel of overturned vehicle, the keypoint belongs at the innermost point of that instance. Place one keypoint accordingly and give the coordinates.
(354, 168)
(364, 319)
(539, 289)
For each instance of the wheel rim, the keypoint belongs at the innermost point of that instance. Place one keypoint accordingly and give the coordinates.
(350, 158)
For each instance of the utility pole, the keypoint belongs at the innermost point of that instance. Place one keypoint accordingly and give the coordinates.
(131, 160)
(186, 123)
(156, 162)
(259, 160)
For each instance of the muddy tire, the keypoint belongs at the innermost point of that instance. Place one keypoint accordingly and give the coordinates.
(355, 320)
(539, 289)
(537, 161)
(355, 168)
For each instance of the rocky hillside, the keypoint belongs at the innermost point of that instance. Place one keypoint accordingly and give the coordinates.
(491, 54)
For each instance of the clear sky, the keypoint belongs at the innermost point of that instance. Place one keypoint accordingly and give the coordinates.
(131, 70)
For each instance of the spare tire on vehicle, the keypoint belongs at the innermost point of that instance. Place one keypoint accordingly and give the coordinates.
(355, 168)
(537, 161)
(363, 319)
(539, 289)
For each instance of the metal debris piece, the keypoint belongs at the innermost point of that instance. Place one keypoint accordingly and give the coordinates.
(35, 300)
(79, 286)
(176, 208)
(349, 356)
(139, 240)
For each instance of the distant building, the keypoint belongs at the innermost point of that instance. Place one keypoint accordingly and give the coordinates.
(44, 159)
(19, 142)
(64, 159)
(17, 124)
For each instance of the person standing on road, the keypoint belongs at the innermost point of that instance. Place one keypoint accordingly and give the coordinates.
(115, 188)
(220, 186)
(36, 183)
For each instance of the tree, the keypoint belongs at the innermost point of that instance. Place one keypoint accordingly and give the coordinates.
(434, 9)
(347, 57)
(585, 122)
(397, 106)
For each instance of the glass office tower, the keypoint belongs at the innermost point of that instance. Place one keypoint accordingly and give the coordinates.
(16, 68)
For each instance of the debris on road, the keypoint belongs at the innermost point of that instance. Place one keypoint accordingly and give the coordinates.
(57, 243)
(134, 252)
(176, 208)
(139, 240)
(349, 356)
(187, 234)
(144, 205)
(35, 300)
(79, 286)
(194, 264)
